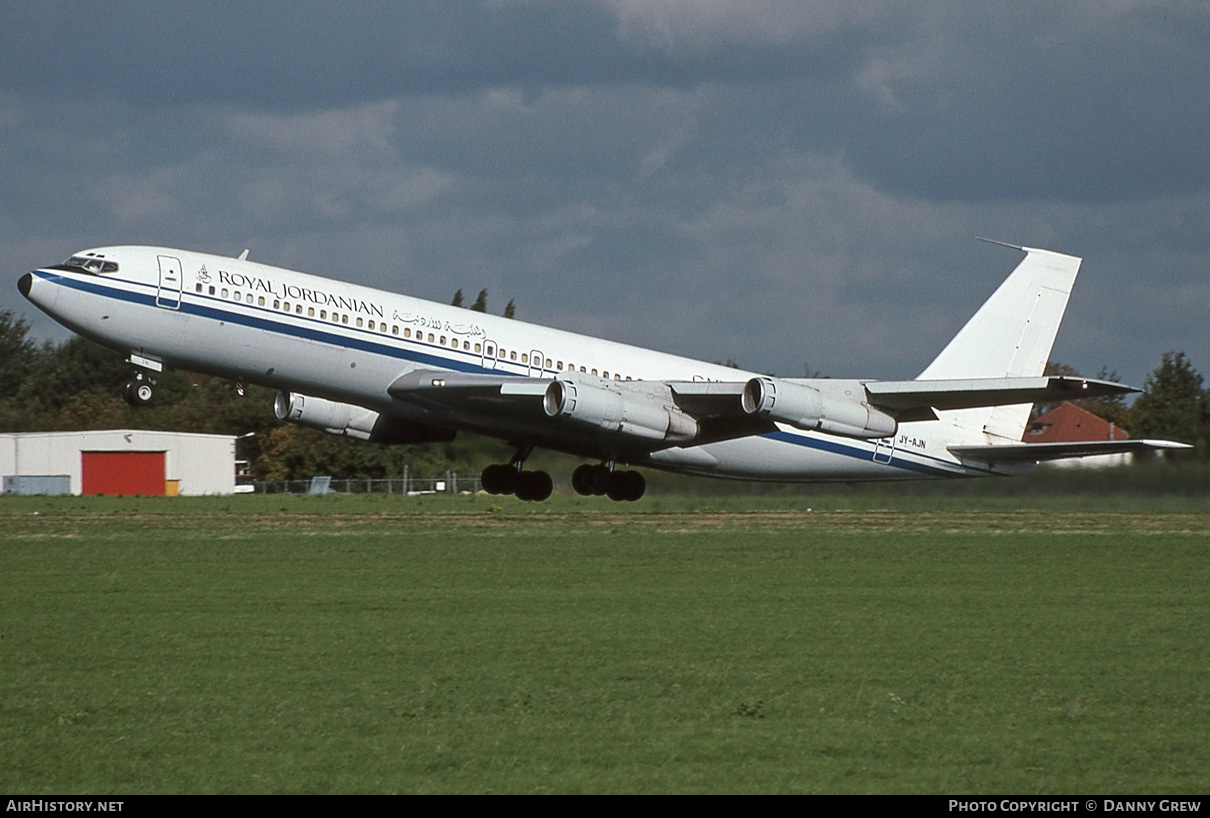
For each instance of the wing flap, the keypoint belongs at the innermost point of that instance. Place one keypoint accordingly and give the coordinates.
(704, 399)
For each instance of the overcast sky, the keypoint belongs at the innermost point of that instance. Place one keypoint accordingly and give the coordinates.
(785, 184)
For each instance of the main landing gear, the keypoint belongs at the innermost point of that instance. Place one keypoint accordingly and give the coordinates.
(500, 478)
(616, 485)
(511, 478)
(139, 390)
(535, 486)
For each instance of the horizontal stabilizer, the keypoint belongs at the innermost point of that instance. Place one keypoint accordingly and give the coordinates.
(1039, 452)
(916, 400)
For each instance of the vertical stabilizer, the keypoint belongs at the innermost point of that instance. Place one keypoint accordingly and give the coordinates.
(1010, 336)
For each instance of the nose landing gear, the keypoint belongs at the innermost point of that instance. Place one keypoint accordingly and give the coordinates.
(139, 390)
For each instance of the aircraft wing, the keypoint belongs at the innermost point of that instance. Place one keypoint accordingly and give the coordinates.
(916, 400)
(645, 415)
(652, 415)
(1038, 452)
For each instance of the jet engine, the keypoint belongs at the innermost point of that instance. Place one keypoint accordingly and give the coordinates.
(805, 407)
(353, 421)
(618, 409)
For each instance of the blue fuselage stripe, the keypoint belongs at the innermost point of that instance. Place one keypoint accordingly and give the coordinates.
(836, 446)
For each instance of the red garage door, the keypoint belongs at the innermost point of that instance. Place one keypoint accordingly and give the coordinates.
(123, 472)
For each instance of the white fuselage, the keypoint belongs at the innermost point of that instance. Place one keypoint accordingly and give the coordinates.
(292, 331)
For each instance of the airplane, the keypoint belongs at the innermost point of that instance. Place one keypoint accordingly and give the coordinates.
(388, 368)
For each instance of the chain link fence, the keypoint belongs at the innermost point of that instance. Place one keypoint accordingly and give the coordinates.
(450, 484)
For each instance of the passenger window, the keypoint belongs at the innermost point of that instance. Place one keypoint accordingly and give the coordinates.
(310, 312)
(442, 340)
(478, 347)
(548, 364)
(323, 314)
(430, 337)
(407, 332)
(594, 371)
(224, 292)
(524, 358)
(211, 289)
(199, 286)
(359, 322)
(248, 298)
(466, 345)
(237, 295)
(298, 309)
(394, 329)
(512, 356)
(344, 319)
(285, 305)
(260, 301)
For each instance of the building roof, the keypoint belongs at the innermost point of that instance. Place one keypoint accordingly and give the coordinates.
(1068, 423)
(95, 433)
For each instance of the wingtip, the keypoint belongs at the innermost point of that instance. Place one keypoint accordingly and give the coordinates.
(1166, 444)
(1002, 243)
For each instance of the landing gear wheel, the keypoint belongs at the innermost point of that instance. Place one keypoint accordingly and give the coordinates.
(599, 478)
(626, 485)
(581, 479)
(534, 486)
(618, 485)
(527, 485)
(499, 479)
(139, 390)
(634, 485)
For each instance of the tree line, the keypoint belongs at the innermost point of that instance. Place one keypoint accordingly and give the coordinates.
(77, 385)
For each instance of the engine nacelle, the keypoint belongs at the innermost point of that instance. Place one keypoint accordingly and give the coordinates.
(806, 407)
(353, 421)
(618, 411)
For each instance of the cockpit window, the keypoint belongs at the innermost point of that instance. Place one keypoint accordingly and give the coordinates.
(88, 263)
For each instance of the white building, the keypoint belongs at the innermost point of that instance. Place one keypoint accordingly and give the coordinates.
(119, 461)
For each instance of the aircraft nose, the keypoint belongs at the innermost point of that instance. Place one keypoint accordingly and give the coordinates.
(23, 283)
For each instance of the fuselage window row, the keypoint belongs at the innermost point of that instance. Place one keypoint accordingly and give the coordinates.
(453, 343)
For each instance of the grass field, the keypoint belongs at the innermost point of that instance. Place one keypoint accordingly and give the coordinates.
(473, 644)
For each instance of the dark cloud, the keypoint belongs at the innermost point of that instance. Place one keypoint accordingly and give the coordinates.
(283, 56)
(779, 183)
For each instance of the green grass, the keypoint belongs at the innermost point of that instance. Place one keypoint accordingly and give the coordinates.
(472, 644)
